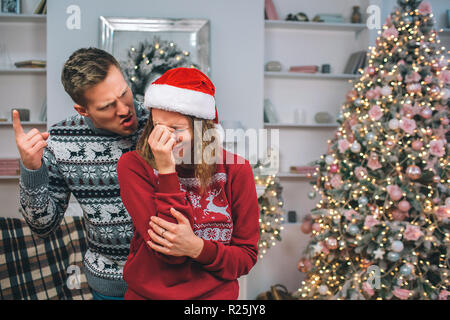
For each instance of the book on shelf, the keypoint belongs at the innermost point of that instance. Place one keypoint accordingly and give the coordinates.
(304, 69)
(356, 61)
(270, 12)
(328, 18)
(31, 64)
(9, 167)
(41, 7)
(303, 169)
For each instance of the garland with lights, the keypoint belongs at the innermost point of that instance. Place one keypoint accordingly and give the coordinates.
(271, 212)
(381, 229)
(149, 60)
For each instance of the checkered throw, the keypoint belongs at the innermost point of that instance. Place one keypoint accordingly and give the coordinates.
(34, 268)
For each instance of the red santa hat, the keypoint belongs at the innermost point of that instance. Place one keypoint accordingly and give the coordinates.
(185, 90)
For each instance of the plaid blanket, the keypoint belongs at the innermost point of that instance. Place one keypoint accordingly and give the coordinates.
(35, 268)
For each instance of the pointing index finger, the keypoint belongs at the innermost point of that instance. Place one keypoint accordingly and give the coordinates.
(18, 130)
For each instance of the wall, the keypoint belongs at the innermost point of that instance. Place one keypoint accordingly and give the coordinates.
(236, 48)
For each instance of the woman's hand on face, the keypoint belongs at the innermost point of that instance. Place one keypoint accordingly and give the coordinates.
(162, 140)
(174, 239)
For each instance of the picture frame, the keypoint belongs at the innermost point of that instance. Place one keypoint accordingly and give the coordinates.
(10, 6)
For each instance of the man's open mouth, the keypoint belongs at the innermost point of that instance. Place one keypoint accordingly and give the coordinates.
(127, 121)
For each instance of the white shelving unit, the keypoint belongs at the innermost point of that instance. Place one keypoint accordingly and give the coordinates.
(24, 36)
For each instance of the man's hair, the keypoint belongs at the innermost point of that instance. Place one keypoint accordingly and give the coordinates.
(84, 69)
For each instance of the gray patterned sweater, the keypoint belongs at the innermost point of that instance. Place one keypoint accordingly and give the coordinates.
(81, 159)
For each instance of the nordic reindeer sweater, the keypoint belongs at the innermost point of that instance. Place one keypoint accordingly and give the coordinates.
(81, 160)
(226, 218)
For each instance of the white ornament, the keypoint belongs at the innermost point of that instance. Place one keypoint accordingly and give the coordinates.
(393, 124)
(329, 159)
(379, 253)
(317, 248)
(386, 90)
(397, 246)
(323, 289)
(355, 147)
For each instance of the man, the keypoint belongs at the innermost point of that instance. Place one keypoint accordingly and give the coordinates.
(79, 156)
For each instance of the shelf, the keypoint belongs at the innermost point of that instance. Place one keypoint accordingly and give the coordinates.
(281, 24)
(11, 17)
(319, 76)
(23, 70)
(301, 126)
(24, 123)
(9, 177)
(444, 32)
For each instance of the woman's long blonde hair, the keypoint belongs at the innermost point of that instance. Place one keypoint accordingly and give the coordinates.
(203, 171)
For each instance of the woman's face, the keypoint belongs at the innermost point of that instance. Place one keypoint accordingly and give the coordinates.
(180, 125)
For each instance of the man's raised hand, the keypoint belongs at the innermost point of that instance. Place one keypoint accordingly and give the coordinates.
(31, 145)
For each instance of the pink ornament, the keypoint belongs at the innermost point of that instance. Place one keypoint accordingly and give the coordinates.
(375, 112)
(437, 148)
(399, 215)
(443, 213)
(445, 76)
(371, 70)
(334, 168)
(443, 295)
(332, 243)
(408, 125)
(373, 163)
(428, 79)
(306, 227)
(425, 8)
(394, 191)
(417, 145)
(343, 145)
(350, 214)
(402, 294)
(371, 221)
(386, 91)
(426, 113)
(414, 88)
(413, 172)
(336, 181)
(412, 233)
(404, 205)
(351, 95)
(390, 32)
(360, 173)
(316, 227)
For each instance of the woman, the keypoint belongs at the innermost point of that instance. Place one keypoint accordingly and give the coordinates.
(196, 222)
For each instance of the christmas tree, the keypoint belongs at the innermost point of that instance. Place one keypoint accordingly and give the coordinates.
(149, 60)
(381, 227)
(270, 201)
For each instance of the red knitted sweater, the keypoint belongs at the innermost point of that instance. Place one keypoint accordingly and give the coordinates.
(226, 218)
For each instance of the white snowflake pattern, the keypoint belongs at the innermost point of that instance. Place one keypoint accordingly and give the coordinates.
(195, 199)
(125, 231)
(88, 172)
(109, 171)
(69, 171)
(106, 232)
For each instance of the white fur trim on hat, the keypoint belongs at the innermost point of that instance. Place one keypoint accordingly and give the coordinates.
(185, 101)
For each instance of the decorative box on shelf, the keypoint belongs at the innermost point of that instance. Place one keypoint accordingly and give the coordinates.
(9, 168)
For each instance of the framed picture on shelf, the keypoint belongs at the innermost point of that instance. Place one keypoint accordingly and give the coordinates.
(146, 48)
(10, 6)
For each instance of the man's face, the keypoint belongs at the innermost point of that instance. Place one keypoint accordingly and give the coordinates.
(109, 104)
